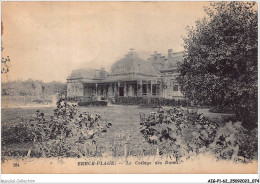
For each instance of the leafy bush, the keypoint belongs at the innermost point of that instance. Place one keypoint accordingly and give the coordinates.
(181, 134)
(16, 133)
(93, 103)
(66, 133)
(226, 143)
(166, 129)
(149, 101)
(220, 109)
(233, 141)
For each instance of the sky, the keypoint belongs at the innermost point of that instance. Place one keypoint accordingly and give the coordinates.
(47, 40)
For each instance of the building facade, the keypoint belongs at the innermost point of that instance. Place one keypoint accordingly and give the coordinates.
(129, 76)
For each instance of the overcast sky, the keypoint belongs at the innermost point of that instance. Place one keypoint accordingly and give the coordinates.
(46, 40)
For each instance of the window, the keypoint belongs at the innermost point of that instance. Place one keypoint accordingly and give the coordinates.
(175, 88)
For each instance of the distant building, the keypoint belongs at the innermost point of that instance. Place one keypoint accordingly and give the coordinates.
(129, 76)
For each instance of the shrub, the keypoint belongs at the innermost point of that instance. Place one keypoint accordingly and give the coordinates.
(93, 103)
(16, 133)
(149, 101)
(181, 134)
(66, 133)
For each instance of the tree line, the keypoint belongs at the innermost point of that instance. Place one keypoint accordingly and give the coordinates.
(32, 87)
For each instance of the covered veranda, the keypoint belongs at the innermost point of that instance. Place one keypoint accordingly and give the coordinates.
(127, 88)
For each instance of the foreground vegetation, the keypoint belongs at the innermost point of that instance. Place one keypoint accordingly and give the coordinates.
(180, 134)
(65, 133)
(69, 131)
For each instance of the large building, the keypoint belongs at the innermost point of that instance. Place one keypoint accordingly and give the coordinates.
(129, 76)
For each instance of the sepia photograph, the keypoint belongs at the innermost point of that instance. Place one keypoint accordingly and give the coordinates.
(142, 87)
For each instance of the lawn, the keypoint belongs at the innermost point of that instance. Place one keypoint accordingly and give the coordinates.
(125, 121)
(125, 125)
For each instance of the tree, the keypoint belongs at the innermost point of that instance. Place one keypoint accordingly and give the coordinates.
(4, 60)
(220, 64)
(4, 63)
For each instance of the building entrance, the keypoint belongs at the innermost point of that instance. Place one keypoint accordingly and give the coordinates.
(121, 91)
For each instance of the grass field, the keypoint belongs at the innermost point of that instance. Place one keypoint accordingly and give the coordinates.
(125, 129)
(125, 120)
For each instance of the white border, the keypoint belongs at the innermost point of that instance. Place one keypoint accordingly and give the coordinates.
(129, 178)
(125, 178)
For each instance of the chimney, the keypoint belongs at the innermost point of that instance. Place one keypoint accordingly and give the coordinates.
(169, 53)
(132, 53)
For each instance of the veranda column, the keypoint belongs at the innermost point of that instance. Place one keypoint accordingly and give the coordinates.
(147, 88)
(151, 88)
(130, 90)
(105, 90)
(160, 89)
(135, 89)
(118, 84)
(125, 92)
(114, 89)
(156, 88)
(96, 89)
(111, 90)
(141, 88)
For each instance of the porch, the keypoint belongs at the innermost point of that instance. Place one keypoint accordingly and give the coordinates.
(134, 88)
